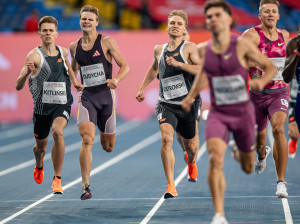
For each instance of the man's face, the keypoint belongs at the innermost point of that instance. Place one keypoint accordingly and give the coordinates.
(48, 33)
(269, 15)
(217, 19)
(176, 26)
(88, 21)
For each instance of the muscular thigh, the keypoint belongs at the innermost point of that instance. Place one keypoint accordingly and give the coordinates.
(216, 127)
(278, 102)
(106, 119)
(42, 125)
(244, 130)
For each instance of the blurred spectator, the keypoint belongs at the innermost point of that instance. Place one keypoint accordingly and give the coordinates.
(32, 21)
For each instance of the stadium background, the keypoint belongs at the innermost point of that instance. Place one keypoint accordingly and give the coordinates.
(136, 25)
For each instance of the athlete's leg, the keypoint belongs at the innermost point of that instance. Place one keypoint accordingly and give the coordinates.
(192, 146)
(293, 131)
(179, 138)
(107, 141)
(58, 148)
(280, 148)
(39, 151)
(216, 179)
(87, 132)
(167, 154)
(261, 143)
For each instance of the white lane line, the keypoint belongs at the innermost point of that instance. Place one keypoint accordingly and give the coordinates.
(287, 211)
(30, 142)
(123, 128)
(141, 145)
(285, 203)
(177, 181)
(16, 131)
(137, 199)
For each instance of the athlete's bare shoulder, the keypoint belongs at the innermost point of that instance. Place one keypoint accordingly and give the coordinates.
(33, 55)
(201, 48)
(252, 35)
(158, 49)
(65, 51)
(107, 40)
(286, 35)
(73, 46)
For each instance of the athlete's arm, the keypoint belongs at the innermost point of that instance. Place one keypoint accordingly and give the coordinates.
(199, 83)
(251, 52)
(252, 35)
(73, 79)
(150, 75)
(114, 51)
(291, 60)
(189, 49)
(32, 62)
(74, 64)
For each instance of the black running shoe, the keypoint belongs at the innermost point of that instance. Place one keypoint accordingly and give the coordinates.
(86, 193)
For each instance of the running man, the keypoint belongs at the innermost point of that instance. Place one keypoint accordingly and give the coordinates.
(291, 73)
(225, 68)
(272, 102)
(49, 73)
(197, 103)
(174, 85)
(92, 55)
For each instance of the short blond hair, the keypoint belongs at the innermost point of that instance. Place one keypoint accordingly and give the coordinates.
(89, 8)
(180, 13)
(262, 2)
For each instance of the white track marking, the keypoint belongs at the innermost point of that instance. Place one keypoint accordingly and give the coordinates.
(141, 145)
(285, 203)
(123, 128)
(177, 181)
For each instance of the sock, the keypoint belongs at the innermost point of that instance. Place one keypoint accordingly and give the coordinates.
(279, 181)
(58, 177)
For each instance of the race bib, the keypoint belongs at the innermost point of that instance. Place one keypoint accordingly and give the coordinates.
(229, 89)
(279, 64)
(93, 75)
(174, 87)
(54, 93)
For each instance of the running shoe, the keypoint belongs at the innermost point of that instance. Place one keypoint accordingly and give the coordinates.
(56, 186)
(260, 165)
(192, 169)
(292, 148)
(38, 174)
(218, 219)
(171, 191)
(86, 193)
(281, 191)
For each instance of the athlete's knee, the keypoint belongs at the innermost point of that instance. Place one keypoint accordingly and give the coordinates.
(191, 146)
(167, 140)
(57, 134)
(40, 148)
(87, 140)
(248, 167)
(108, 146)
(278, 130)
(215, 160)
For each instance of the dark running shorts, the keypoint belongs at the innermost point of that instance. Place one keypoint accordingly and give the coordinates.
(43, 123)
(181, 121)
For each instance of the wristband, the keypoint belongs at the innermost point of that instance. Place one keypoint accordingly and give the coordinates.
(296, 53)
